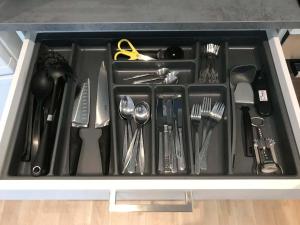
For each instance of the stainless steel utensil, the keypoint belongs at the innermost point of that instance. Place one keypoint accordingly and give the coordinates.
(196, 118)
(136, 148)
(216, 116)
(126, 110)
(264, 148)
(103, 118)
(80, 119)
(179, 151)
(208, 73)
(160, 72)
(169, 78)
(205, 113)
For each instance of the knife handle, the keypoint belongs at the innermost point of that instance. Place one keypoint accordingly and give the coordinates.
(104, 145)
(248, 133)
(74, 150)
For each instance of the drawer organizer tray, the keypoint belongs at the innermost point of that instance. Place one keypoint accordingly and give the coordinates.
(86, 51)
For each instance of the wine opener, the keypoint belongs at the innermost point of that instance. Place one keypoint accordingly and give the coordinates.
(264, 149)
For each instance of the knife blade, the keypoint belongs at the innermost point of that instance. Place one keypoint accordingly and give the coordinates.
(80, 119)
(103, 118)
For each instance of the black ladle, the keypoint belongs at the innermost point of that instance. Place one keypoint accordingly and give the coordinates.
(41, 163)
(41, 87)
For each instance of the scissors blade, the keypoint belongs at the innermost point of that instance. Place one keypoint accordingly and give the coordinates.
(145, 57)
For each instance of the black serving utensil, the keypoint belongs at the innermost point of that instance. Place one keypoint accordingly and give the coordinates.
(58, 69)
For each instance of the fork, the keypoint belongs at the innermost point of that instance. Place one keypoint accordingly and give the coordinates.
(206, 110)
(196, 117)
(215, 117)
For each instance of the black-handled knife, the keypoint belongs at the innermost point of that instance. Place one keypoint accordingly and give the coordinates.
(80, 119)
(103, 118)
(248, 133)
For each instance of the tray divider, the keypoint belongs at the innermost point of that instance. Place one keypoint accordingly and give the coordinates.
(228, 108)
(60, 166)
(197, 61)
(114, 157)
(153, 139)
(189, 131)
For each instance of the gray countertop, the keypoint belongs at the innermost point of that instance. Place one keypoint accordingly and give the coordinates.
(109, 15)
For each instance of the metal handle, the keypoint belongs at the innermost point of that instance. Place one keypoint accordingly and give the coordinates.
(186, 207)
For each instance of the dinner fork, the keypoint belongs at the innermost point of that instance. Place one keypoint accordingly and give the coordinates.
(196, 118)
(215, 117)
(206, 110)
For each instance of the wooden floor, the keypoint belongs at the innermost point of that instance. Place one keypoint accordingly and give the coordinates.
(96, 213)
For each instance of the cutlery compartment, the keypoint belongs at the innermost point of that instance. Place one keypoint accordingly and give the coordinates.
(218, 63)
(156, 47)
(167, 109)
(138, 94)
(219, 146)
(18, 166)
(275, 125)
(125, 70)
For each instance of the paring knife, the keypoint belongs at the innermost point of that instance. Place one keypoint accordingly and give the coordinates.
(103, 118)
(80, 119)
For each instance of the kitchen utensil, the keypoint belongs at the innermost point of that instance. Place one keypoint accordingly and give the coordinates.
(216, 116)
(160, 124)
(170, 78)
(103, 118)
(160, 72)
(243, 95)
(58, 69)
(26, 155)
(264, 148)
(41, 87)
(80, 119)
(141, 117)
(179, 151)
(205, 114)
(248, 133)
(262, 99)
(126, 110)
(196, 119)
(171, 144)
(240, 78)
(132, 53)
(208, 73)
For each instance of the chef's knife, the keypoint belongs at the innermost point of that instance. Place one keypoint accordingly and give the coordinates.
(80, 119)
(103, 118)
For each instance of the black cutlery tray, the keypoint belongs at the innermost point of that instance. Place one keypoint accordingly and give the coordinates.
(86, 51)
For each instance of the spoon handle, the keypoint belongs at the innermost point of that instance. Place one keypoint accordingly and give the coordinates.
(125, 142)
(141, 153)
(130, 152)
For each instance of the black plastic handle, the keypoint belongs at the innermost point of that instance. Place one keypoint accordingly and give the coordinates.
(248, 133)
(74, 150)
(104, 145)
(41, 162)
(262, 95)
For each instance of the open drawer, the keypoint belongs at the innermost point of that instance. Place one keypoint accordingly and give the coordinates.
(220, 181)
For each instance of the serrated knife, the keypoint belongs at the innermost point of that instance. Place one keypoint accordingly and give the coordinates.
(80, 119)
(103, 118)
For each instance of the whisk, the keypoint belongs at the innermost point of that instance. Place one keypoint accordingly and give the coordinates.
(208, 73)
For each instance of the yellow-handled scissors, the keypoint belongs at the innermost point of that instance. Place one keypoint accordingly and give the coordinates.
(133, 54)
